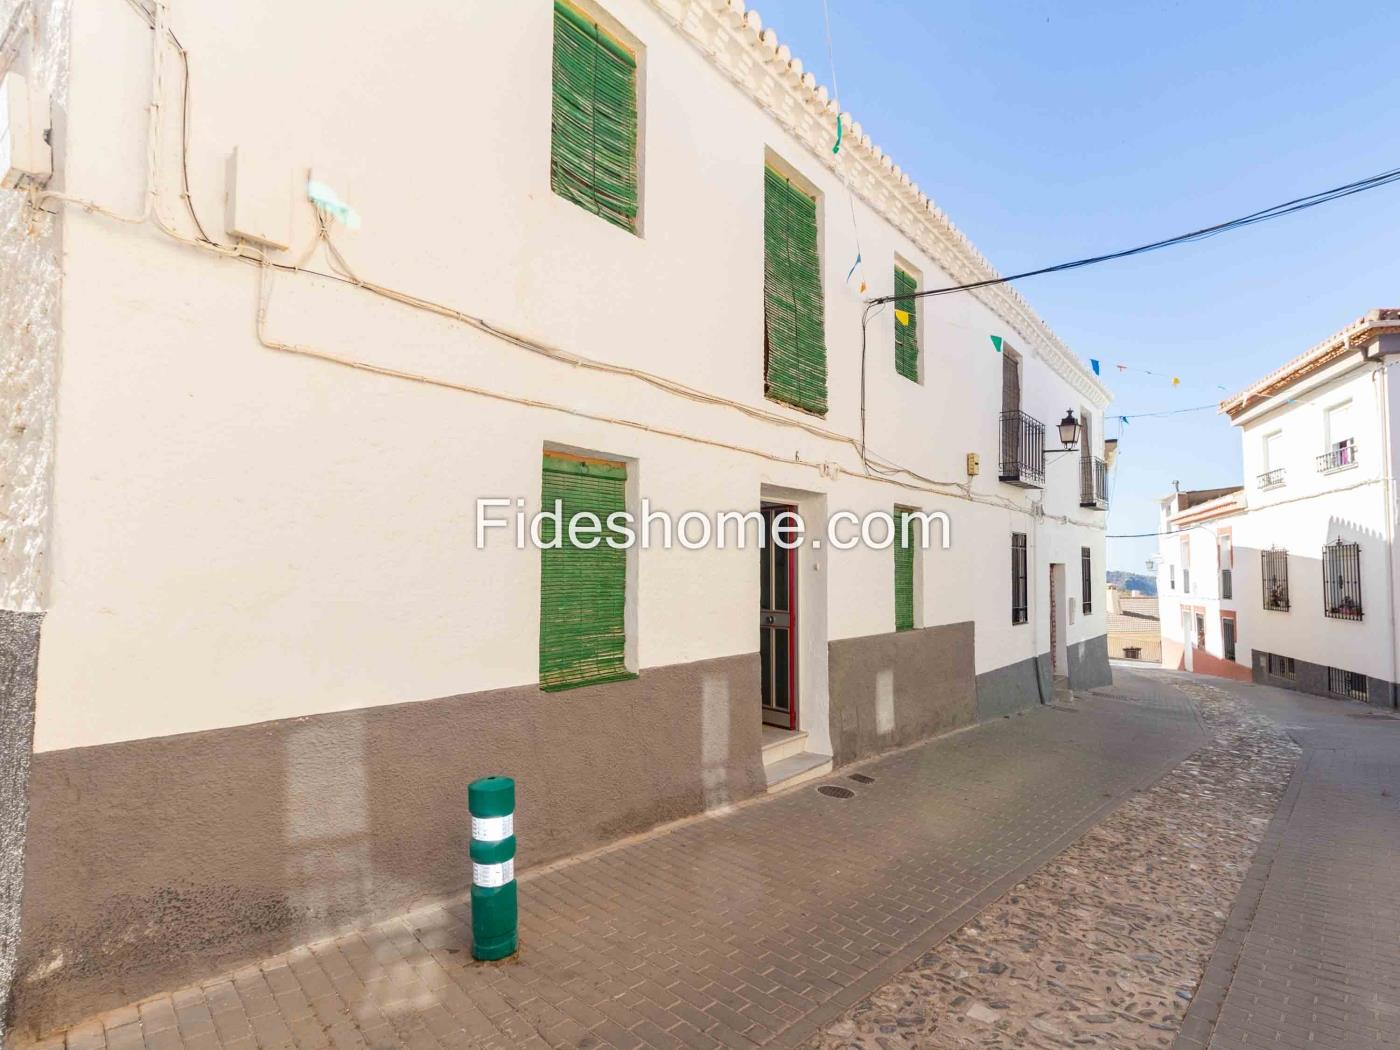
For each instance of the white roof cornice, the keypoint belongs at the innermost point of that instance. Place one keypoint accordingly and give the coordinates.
(734, 40)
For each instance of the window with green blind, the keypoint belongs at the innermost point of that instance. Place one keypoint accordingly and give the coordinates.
(583, 590)
(794, 323)
(593, 144)
(903, 571)
(906, 326)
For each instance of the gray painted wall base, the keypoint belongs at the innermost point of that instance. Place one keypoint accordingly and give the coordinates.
(1013, 688)
(153, 863)
(1313, 678)
(19, 664)
(888, 690)
(1088, 664)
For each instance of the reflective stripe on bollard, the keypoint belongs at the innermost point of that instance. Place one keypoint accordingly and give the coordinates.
(491, 801)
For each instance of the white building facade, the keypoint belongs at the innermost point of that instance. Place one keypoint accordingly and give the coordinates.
(243, 538)
(1306, 547)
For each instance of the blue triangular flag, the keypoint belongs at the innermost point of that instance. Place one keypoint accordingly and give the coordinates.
(1094, 364)
(1124, 419)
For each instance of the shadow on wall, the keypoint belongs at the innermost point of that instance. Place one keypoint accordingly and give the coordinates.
(156, 862)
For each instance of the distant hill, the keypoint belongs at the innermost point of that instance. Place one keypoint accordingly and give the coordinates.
(1133, 581)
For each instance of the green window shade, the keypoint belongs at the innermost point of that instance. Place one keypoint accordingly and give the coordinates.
(593, 146)
(583, 592)
(794, 335)
(906, 336)
(903, 572)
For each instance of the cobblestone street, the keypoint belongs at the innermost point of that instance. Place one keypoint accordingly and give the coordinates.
(1104, 945)
(1061, 878)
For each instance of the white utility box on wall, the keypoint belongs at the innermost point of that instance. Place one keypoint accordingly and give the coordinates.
(25, 154)
(259, 200)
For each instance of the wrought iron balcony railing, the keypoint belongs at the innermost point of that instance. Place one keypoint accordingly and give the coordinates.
(1022, 450)
(1271, 479)
(1340, 456)
(1093, 483)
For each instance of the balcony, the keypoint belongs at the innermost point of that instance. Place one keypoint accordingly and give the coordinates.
(1271, 479)
(1022, 450)
(1093, 483)
(1339, 457)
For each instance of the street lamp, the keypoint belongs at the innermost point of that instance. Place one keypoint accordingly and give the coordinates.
(1069, 433)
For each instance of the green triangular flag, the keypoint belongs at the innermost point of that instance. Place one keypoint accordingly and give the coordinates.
(996, 342)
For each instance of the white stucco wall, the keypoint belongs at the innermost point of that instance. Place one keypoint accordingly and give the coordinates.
(1309, 509)
(242, 534)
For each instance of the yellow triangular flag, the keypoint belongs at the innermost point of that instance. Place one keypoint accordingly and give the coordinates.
(1176, 381)
(903, 316)
(862, 287)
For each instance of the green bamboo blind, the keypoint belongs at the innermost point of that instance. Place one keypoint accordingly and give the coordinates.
(903, 572)
(906, 336)
(593, 145)
(794, 337)
(583, 592)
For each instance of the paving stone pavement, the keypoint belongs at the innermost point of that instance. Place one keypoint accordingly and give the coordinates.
(756, 927)
(1105, 944)
(1311, 958)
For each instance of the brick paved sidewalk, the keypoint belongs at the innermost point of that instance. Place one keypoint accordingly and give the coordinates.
(1311, 957)
(752, 928)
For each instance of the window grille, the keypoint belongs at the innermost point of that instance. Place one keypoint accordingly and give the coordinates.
(1341, 580)
(1019, 590)
(1348, 684)
(1275, 576)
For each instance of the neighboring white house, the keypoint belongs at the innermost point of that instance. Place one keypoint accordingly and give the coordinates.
(1306, 548)
(597, 252)
(1197, 599)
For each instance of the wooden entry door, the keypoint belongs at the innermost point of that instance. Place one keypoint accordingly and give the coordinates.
(777, 625)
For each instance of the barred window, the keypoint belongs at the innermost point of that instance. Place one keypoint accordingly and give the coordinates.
(1348, 684)
(1227, 636)
(1275, 575)
(1086, 580)
(1019, 590)
(1341, 580)
(1281, 666)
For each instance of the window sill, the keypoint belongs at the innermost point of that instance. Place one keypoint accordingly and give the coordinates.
(796, 408)
(562, 687)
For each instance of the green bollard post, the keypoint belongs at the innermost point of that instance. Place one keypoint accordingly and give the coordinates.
(491, 801)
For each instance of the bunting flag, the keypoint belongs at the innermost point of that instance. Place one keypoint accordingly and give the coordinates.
(996, 342)
(1176, 380)
(1123, 420)
(1094, 364)
(851, 272)
(837, 148)
(902, 316)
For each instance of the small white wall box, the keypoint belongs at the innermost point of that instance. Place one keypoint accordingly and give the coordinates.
(25, 153)
(258, 200)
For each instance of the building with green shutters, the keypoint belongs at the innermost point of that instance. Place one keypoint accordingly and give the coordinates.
(592, 253)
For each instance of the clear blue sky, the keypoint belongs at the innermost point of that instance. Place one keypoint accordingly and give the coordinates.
(1053, 130)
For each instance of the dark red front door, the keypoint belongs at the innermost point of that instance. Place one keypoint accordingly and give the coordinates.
(777, 625)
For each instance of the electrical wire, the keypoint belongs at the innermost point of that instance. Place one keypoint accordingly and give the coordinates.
(885, 470)
(1275, 211)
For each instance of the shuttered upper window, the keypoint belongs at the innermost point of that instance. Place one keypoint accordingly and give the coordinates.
(583, 591)
(903, 571)
(593, 145)
(906, 326)
(794, 330)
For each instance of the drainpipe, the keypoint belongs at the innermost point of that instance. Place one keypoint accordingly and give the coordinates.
(1380, 383)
